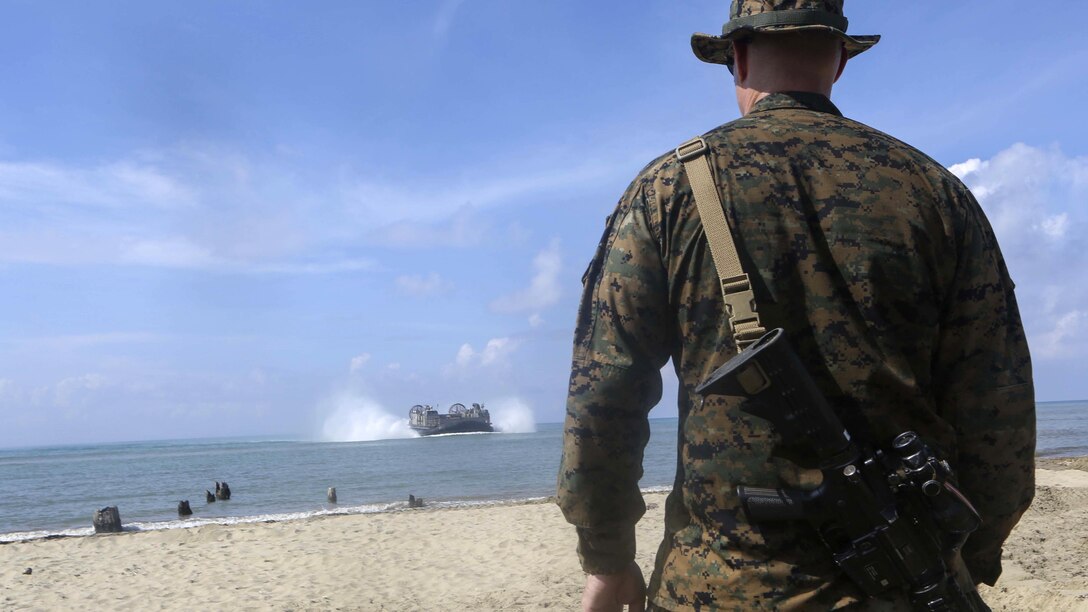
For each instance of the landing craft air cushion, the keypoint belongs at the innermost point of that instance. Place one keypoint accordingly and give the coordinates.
(427, 421)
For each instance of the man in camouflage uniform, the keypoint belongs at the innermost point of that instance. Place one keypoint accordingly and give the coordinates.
(886, 276)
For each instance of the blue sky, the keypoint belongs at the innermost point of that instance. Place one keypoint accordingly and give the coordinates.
(277, 218)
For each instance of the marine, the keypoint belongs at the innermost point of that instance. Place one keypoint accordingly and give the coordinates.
(883, 270)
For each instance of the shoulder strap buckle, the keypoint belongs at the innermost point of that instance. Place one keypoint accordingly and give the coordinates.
(691, 149)
(740, 300)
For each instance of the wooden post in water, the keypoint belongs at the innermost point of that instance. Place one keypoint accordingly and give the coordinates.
(331, 495)
(107, 520)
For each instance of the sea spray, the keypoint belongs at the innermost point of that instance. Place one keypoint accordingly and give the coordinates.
(355, 418)
(512, 415)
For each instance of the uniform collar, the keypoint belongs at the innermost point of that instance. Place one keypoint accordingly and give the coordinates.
(797, 100)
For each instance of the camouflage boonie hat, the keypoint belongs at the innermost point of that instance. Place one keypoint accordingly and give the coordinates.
(746, 16)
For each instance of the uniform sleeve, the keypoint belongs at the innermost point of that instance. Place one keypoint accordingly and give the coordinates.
(621, 343)
(984, 389)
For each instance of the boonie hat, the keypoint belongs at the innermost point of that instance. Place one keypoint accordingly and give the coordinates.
(746, 16)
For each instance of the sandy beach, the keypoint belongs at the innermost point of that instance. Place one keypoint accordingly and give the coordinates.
(507, 557)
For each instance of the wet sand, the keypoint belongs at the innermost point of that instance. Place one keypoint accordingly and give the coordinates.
(513, 557)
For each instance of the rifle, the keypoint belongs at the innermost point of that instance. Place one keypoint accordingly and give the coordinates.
(891, 520)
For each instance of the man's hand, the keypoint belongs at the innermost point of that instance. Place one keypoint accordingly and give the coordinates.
(610, 592)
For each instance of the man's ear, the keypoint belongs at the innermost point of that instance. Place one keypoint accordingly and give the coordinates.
(740, 61)
(843, 56)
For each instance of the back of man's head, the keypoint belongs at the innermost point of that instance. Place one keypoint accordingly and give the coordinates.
(789, 61)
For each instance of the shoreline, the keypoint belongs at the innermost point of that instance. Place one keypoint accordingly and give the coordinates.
(502, 556)
(285, 517)
(282, 517)
(1073, 462)
(1070, 462)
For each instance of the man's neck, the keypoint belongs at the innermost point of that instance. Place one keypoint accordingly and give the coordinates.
(747, 98)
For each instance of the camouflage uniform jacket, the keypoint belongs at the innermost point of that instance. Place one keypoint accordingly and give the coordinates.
(886, 276)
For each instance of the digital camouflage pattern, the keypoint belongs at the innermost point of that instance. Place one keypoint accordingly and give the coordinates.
(719, 49)
(744, 8)
(884, 272)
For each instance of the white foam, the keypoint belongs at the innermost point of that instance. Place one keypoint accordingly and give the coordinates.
(138, 526)
(22, 536)
(512, 415)
(355, 418)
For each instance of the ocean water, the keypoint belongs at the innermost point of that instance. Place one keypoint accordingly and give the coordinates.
(1062, 429)
(55, 491)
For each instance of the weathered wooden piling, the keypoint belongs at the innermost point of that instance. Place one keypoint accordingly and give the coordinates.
(107, 520)
(331, 495)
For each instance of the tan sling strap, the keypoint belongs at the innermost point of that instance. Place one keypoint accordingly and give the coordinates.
(740, 300)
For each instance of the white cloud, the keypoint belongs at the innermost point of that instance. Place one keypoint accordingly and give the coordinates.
(182, 208)
(146, 399)
(1034, 198)
(334, 266)
(1030, 194)
(464, 228)
(543, 290)
(963, 169)
(358, 362)
(1066, 337)
(124, 184)
(167, 253)
(1056, 226)
(212, 209)
(172, 252)
(465, 355)
(535, 320)
(423, 286)
(72, 390)
(497, 351)
(495, 354)
(379, 204)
